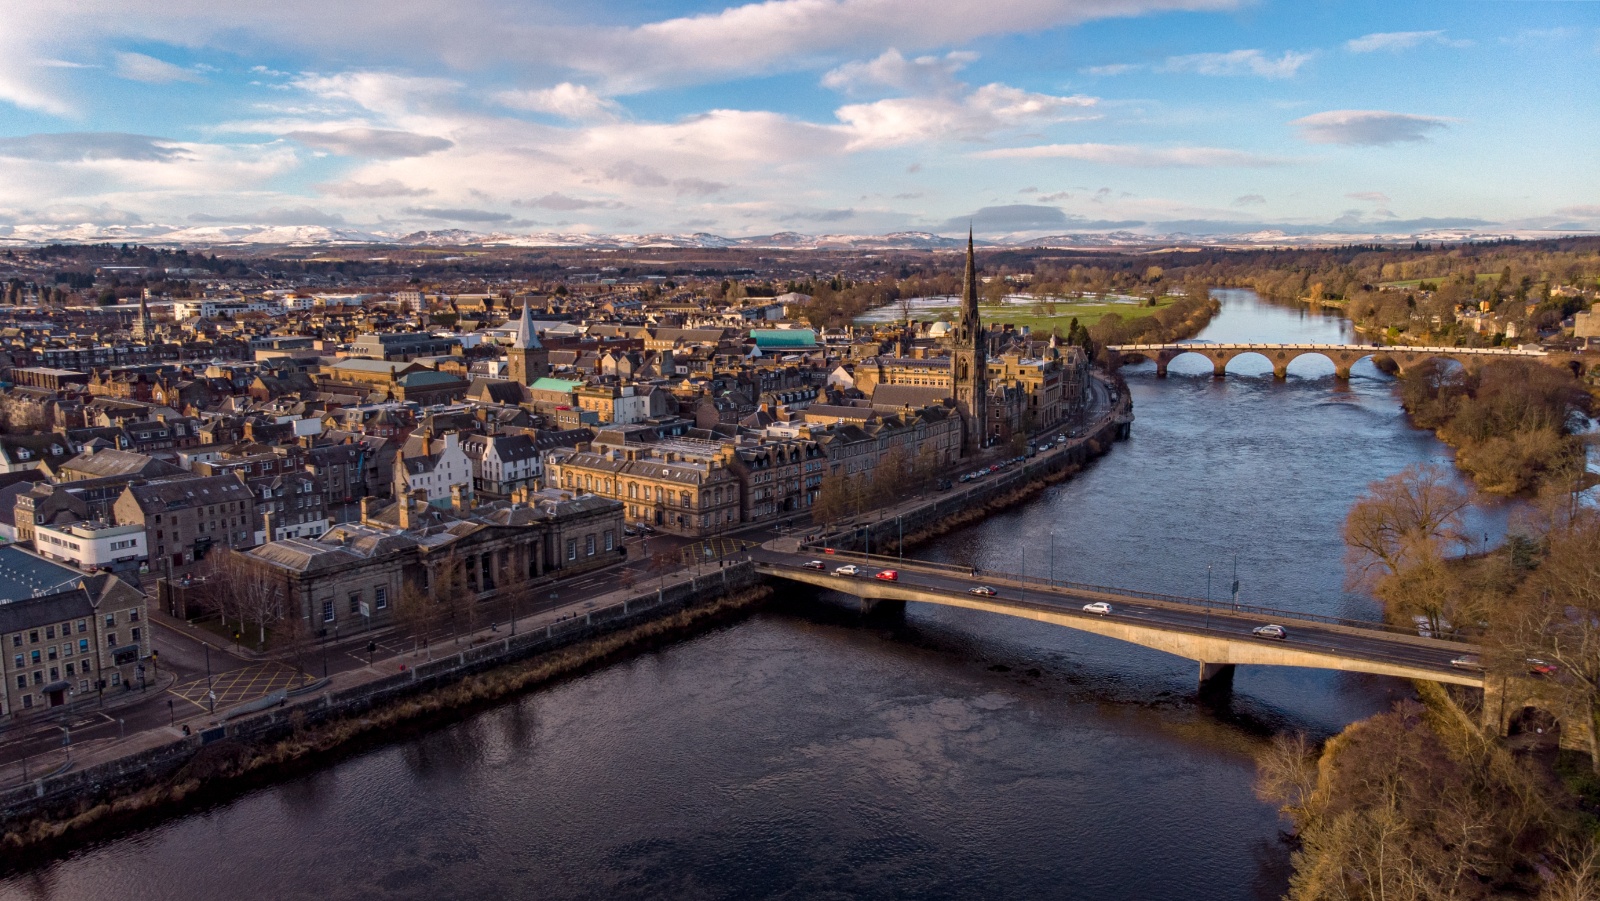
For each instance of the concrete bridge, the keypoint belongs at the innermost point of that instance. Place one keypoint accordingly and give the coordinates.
(1216, 636)
(1343, 356)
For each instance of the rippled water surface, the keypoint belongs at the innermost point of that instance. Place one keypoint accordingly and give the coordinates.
(804, 753)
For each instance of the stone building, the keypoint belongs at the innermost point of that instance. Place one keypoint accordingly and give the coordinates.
(358, 572)
(185, 518)
(66, 636)
(684, 486)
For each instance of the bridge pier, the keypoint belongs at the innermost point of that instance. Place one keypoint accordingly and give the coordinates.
(1341, 372)
(1280, 371)
(882, 607)
(1215, 677)
(1219, 367)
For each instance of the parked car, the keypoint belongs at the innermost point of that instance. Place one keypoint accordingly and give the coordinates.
(888, 575)
(1270, 631)
(629, 531)
(983, 590)
(1540, 668)
(849, 569)
(1467, 661)
(943, 485)
(814, 564)
(1100, 607)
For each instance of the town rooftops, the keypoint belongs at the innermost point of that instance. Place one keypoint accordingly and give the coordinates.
(562, 386)
(118, 463)
(182, 493)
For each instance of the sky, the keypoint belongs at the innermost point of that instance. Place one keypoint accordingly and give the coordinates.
(817, 116)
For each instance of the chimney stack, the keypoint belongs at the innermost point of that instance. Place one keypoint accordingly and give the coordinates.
(458, 499)
(367, 506)
(405, 511)
(270, 523)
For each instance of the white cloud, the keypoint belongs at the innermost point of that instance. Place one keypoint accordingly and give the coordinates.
(1367, 128)
(567, 100)
(148, 69)
(923, 75)
(374, 143)
(1137, 156)
(1395, 41)
(1239, 62)
(1377, 197)
(354, 190)
(1111, 69)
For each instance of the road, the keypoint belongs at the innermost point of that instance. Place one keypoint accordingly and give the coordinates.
(1378, 644)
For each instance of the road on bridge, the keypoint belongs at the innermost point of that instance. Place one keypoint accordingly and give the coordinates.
(1377, 644)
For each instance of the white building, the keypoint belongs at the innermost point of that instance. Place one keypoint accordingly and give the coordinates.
(434, 465)
(231, 307)
(92, 545)
(503, 463)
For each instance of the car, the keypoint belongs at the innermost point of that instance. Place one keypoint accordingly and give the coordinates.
(1467, 661)
(1270, 631)
(942, 485)
(1540, 668)
(849, 569)
(888, 575)
(814, 564)
(966, 477)
(644, 529)
(1100, 607)
(983, 590)
(629, 531)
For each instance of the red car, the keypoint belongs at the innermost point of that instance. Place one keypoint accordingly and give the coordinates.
(888, 575)
(1539, 667)
(814, 564)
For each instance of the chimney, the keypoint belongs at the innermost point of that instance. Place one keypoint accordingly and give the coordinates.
(367, 506)
(458, 499)
(405, 511)
(269, 520)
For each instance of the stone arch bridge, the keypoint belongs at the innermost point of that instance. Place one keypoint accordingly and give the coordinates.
(1343, 356)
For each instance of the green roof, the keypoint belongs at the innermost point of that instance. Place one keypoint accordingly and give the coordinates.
(784, 337)
(549, 384)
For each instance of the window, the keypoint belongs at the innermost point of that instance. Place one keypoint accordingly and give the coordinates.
(116, 678)
(135, 636)
(66, 649)
(49, 633)
(16, 661)
(381, 596)
(327, 611)
(83, 626)
(22, 681)
(71, 670)
(38, 677)
(50, 652)
(16, 640)
(133, 615)
(111, 620)
(35, 658)
(355, 604)
(572, 552)
(33, 637)
(55, 673)
(611, 541)
(588, 545)
(111, 639)
(83, 645)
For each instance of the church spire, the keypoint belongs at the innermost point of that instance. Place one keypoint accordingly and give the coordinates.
(969, 288)
(526, 338)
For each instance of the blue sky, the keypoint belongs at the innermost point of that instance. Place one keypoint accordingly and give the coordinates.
(836, 116)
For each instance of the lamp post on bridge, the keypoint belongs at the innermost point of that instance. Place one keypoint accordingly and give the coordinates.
(1208, 597)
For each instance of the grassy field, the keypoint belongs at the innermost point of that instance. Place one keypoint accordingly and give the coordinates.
(1036, 317)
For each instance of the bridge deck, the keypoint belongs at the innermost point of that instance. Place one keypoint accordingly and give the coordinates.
(1216, 634)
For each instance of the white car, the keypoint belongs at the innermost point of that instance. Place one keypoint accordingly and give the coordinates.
(849, 569)
(1100, 607)
(1270, 631)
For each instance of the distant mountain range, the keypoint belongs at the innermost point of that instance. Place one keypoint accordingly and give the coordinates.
(218, 236)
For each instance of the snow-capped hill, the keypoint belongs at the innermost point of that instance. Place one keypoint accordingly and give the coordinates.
(448, 237)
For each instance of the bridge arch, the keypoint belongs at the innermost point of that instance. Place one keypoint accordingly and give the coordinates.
(1537, 728)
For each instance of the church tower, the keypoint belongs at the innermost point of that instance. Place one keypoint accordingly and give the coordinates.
(143, 329)
(970, 363)
(526, 360)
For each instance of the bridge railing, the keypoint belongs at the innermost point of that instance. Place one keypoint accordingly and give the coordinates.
(979, 576)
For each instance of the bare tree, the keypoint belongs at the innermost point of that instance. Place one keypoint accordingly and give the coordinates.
(1410, 517)
(251, 591)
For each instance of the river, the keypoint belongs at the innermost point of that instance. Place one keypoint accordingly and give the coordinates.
(804, 753)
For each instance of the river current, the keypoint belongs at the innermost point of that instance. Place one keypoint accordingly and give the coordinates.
(806, 753)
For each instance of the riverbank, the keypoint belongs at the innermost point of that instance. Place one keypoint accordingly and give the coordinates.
(173, 776)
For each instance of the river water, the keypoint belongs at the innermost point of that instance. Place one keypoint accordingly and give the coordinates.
(806, 753)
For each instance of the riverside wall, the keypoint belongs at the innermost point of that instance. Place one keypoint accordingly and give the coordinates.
(55, 796)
